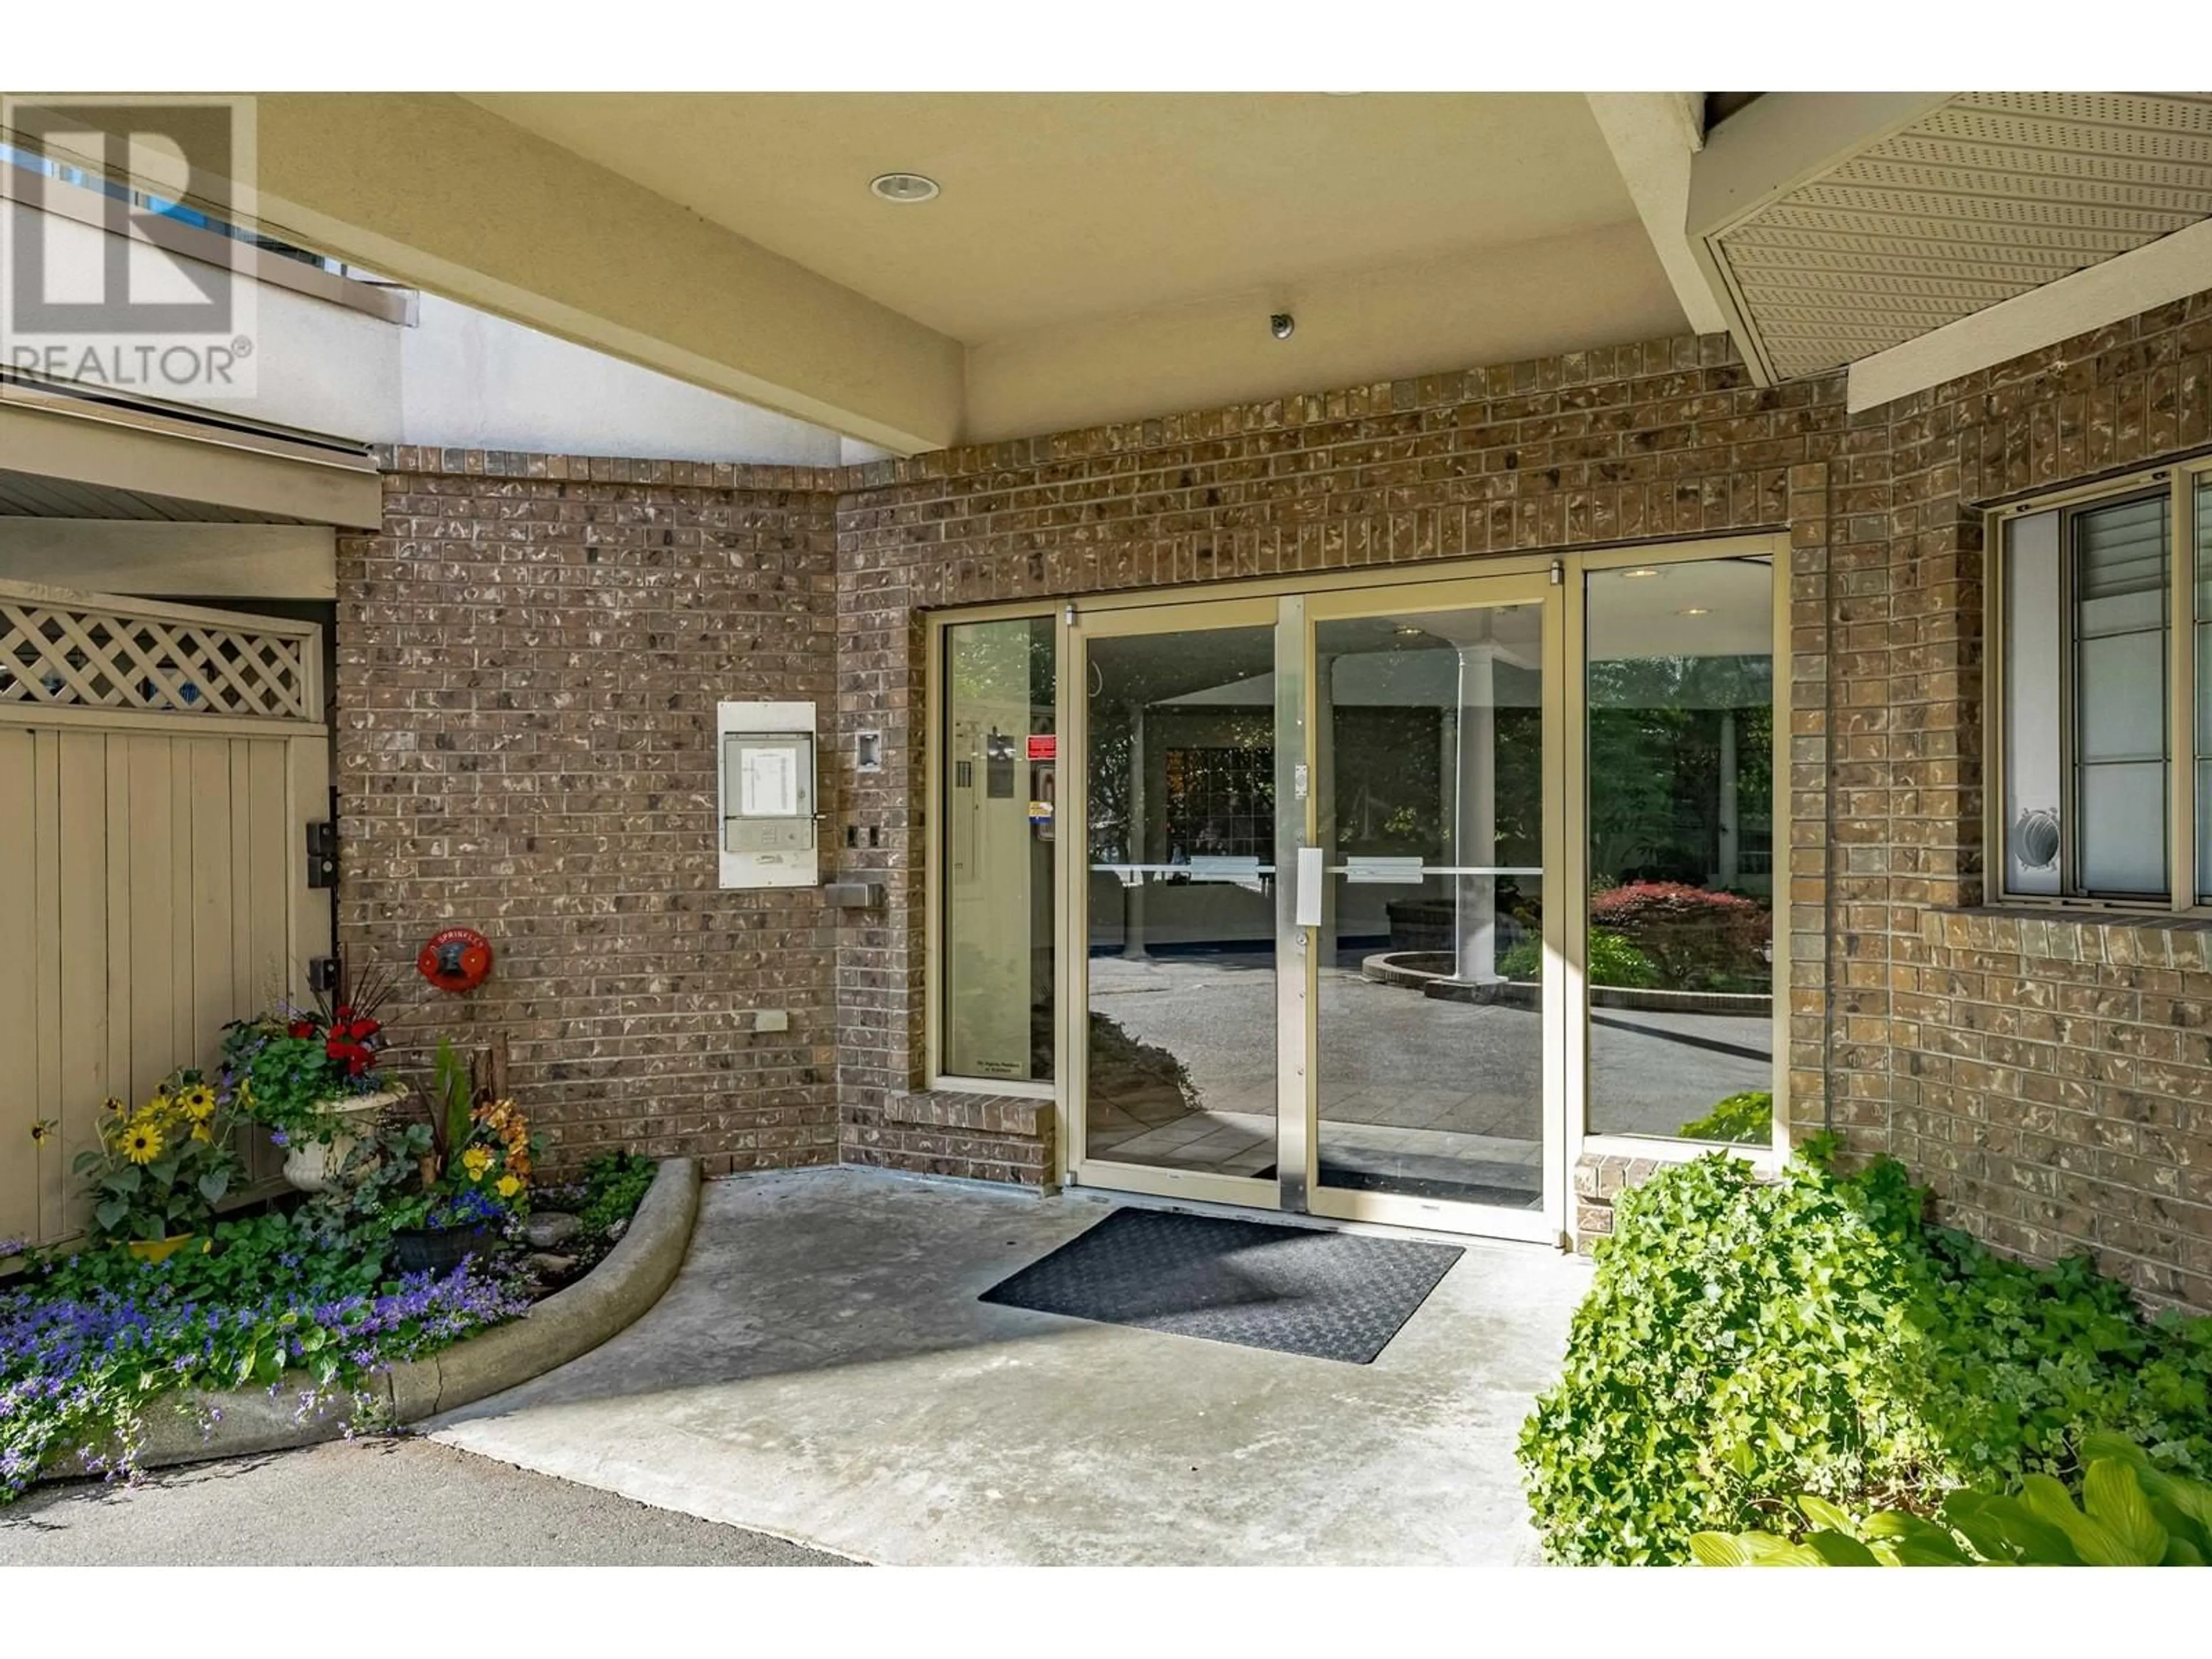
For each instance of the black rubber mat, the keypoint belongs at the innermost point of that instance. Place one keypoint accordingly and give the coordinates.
(1296, 1290)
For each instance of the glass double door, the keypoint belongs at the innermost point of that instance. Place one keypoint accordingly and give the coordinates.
(1319, 891)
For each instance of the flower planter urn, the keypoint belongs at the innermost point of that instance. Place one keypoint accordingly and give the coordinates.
(310, 1166)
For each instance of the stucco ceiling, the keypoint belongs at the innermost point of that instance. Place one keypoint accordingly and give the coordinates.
(1058, 208)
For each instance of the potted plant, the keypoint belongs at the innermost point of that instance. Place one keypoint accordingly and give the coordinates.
(160, 1170)
(474, 1151)
(309, 1076)
(438, 1230)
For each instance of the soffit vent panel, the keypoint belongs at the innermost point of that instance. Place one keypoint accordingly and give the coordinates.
(1991, 195)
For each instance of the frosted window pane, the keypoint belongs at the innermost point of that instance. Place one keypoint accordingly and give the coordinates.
(2120, 688)
(2031, 728)
(2124, 828)
(2122, 693)
(2204, 527)
(2204, 688)
(2203, 831)
(2205, 549)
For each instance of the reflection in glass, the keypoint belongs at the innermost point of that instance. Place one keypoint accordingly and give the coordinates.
(998, 807)
(1430, 790)
(1681, 928)
(1180, 779)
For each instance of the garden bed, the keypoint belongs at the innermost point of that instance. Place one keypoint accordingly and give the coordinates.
(280, 1332)
(1746, 1342)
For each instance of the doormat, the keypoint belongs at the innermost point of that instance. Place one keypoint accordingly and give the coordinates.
(1295, 1290)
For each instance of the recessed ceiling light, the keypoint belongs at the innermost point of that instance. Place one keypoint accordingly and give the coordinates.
(903, 187)
(1408, 630)
(1642, 570)
(1694, 610)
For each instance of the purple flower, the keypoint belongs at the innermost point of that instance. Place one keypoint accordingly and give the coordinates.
(278, 1138)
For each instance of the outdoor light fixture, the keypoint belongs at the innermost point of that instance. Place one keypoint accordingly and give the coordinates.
(1281, 325)
(903, 187)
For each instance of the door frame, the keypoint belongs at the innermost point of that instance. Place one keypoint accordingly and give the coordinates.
(1117, 612)
(1543, 588)
(1294, 617)
(1197, 614)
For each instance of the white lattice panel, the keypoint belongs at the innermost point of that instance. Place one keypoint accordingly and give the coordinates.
(1992, 195)
(108, 654)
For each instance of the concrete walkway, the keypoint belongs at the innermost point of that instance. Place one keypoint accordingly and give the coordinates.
(366, 1503)
(822, 1371)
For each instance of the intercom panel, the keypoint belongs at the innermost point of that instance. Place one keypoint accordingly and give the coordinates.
(769, 819)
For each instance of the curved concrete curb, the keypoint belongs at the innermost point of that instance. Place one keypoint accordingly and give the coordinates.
(566, 1324)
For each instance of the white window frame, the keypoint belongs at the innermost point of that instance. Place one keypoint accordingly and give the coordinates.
(2184, 742)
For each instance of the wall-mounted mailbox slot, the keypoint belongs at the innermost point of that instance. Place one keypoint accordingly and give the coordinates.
(765, 764)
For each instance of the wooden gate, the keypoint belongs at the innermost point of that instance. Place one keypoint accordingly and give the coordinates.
(158, 765)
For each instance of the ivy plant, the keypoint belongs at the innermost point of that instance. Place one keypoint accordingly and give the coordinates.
(1747, 1340)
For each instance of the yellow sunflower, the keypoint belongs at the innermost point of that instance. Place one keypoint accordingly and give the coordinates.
(203, 1131)
(142, 1143)
(197, 1103)
(43, 1130)
(114, 1107)
(160, 1103)
(476, 1161)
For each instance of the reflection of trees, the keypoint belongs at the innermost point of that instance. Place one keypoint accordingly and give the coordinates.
(1655, 738)
(984, 667)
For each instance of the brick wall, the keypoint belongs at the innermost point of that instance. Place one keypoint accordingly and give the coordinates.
(1664, 439)
(638, 593)
(529, 657)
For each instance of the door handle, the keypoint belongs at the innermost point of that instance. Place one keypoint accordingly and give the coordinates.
(1311, 874)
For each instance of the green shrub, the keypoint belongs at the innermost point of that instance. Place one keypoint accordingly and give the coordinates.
(1745, 1341)
(1613, 961)
(1697, 938)
(615, 1184)
(1746, 1117)
(2132, 1514)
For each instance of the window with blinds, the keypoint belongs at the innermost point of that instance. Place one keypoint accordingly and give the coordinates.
(2200, 585)
(2119, 588)
(2091, 677)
